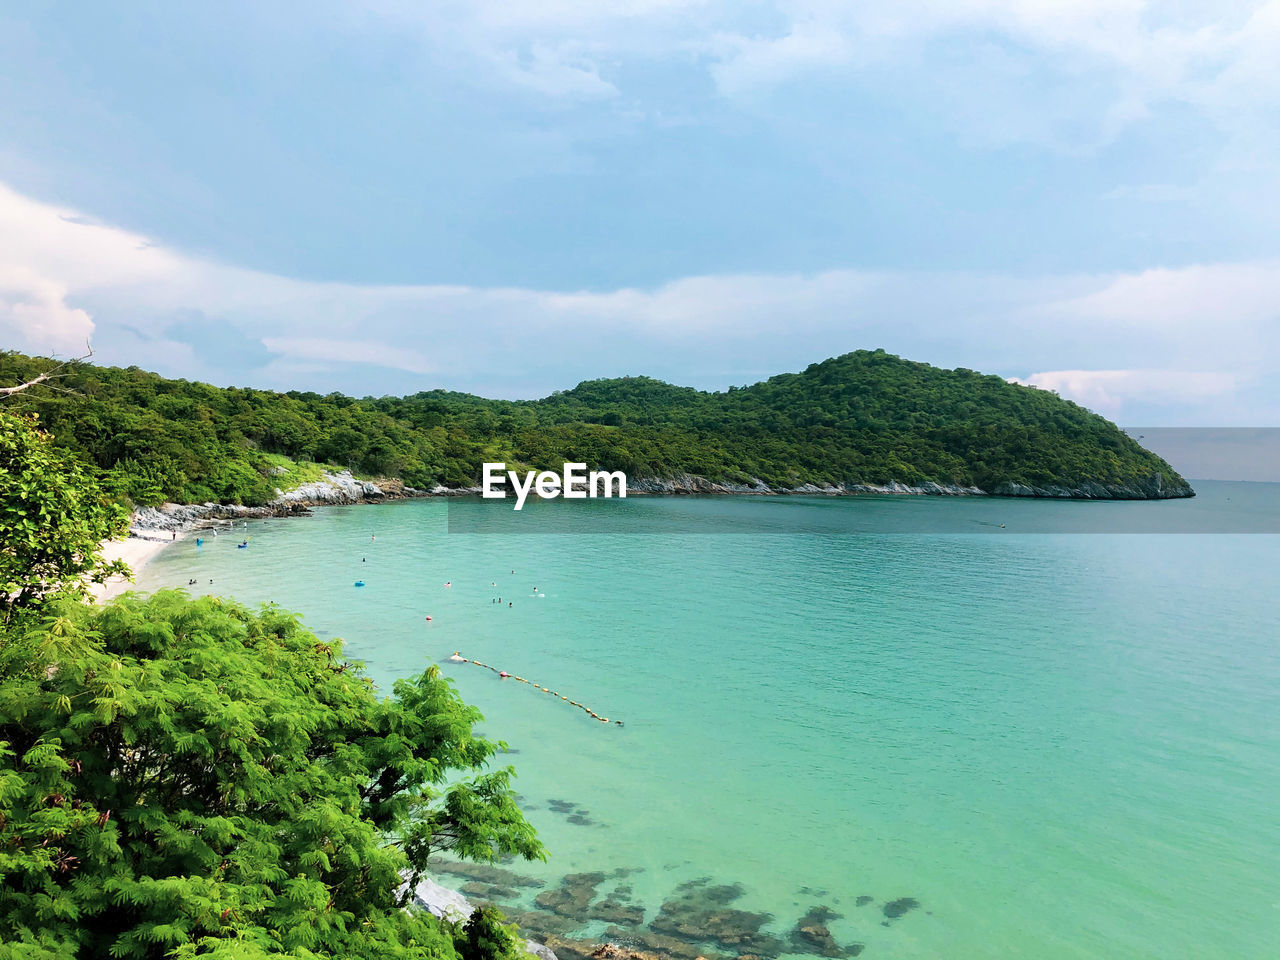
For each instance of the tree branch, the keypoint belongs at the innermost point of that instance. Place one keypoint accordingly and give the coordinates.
(51, 374)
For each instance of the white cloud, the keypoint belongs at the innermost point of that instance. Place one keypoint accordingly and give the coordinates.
(1104, 64)
(350, 351)
(35, 316)
(1108, 391)
(1179, 339)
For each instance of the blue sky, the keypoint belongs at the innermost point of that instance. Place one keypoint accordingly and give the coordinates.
(508, 198)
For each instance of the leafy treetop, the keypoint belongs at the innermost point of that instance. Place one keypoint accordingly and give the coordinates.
(52, 519)
(189, 778)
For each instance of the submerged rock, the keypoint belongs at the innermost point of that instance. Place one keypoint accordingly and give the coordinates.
(489, 891)
(612, 911)
(811, 935)
(542, 924)
(897, 908)
(574, 896)
(484, 873)
(701, 913)
(668, 948)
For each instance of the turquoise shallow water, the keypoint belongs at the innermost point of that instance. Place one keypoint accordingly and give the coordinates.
(1061, 746)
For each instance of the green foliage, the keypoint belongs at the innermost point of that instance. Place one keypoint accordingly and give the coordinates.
(486, 937)
(865, 417)
(189, 778)
(52, 518)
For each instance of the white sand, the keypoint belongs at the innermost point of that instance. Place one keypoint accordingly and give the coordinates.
(136, 552)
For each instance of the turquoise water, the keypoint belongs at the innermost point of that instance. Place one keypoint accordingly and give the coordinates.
(1061, 746)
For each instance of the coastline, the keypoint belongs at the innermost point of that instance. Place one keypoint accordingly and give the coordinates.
(152, 528)
(137, 550)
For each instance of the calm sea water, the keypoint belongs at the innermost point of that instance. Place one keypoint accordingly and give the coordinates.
(1061, 746)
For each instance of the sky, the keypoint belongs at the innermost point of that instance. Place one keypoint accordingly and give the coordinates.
(508, 198)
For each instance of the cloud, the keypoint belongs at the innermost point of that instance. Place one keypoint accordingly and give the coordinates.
(1164, 345)
(1069, 73)
(35, 316)
(1109, 391)
(390, 355)
(1216, 57)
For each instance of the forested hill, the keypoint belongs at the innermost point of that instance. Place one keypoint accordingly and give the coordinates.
(863, 418)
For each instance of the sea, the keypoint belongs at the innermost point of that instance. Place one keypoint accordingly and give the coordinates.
(935, 735)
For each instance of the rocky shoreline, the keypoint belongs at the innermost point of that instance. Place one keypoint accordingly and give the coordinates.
(1152, 488)
(342, 488)
(595, 916)
(335, 489)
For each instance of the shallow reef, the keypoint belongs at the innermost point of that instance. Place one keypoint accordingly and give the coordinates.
(698, 921)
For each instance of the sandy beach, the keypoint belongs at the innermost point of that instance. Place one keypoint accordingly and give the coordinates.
(137, 552)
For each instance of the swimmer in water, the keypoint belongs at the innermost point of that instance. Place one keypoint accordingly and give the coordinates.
(457, 657)
(448, 583)
(509, 604)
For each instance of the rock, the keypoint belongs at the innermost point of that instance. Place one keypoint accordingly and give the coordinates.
(540, 950)
(811, 935)
(897, 908)
(569, 948)
(701, 913)
(1153, 487)
(488, 891)
(542, 924)
(333, 488)
(573, 898)
(440, 900)
(668, 948)
(1150, 488)
(484, 873)
(611, 911)
(443, 902)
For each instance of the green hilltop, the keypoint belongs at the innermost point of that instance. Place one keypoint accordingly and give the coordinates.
(864, 418)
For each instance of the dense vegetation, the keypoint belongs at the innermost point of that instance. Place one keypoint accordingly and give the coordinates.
(183, 778)
(52, 519)
(865, 417)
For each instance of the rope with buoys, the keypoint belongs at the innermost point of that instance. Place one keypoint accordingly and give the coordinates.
(459, 658)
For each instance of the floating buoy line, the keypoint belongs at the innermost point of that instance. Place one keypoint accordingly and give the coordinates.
(458, 658)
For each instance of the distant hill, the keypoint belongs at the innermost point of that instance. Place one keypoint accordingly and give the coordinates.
(865, 418)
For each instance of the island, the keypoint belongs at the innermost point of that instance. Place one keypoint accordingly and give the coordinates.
(864, 422)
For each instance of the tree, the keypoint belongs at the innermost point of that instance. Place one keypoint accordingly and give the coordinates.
(191, 778)
(52, 519)
(487, 938)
